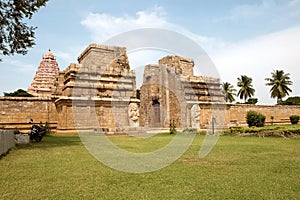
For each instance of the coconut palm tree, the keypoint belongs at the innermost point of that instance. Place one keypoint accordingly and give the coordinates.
(246, 87)
(228, 91)
(279, 82)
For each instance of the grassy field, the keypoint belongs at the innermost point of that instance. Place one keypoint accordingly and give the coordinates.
(238, 168)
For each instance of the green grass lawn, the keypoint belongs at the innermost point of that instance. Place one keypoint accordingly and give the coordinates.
(238, 168)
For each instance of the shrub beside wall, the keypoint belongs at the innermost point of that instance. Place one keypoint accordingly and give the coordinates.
(294, 119)
(255, 119)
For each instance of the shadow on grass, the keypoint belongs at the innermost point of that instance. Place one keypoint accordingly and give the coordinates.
(52, 141)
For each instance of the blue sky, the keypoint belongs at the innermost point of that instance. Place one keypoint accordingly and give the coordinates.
(241, 37)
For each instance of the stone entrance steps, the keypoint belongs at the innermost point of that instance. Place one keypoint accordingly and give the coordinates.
(134, 131)
(145, 131)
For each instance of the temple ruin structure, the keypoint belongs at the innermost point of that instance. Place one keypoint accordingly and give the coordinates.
(99, 93)
(171, 92)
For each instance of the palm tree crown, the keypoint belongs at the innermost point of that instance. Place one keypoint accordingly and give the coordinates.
(228, 91)
(279, 82)
(246, 88)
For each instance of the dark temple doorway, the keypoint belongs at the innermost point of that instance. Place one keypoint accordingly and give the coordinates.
(156, 113)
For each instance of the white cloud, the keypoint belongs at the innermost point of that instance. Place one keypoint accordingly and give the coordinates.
(67, 57)
(19, 65)
(258, 57)
(270, 10)
(15, 74)
(104, 25)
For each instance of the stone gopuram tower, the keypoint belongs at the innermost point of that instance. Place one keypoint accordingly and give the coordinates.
(45, 76)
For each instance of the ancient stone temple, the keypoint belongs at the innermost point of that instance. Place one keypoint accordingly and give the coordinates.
(99, 91)
(45, 76)
(171, 92)
(98, 94)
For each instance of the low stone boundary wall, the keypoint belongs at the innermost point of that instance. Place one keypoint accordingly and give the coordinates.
(237, 113)
(17, 112)
(7, 140)
(24, 128)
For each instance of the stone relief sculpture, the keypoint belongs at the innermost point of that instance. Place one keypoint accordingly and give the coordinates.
(195, 116)
(133, 114)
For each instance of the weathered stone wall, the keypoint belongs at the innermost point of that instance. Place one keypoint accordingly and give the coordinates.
(179, 64)
(88, 114)
(7, 141)
(218, 111)
(171, 89)
(161, 97)
(16, 112)
(236, 113)
(100, 56)
(102, 72)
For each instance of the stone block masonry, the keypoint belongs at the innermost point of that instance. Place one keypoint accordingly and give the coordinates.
(236, 113)
(99, 93)
(16, 112)
(7, 141)
(96, 92)
(170, 91)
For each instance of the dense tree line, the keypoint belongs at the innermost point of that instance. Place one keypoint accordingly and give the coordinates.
(18, 93)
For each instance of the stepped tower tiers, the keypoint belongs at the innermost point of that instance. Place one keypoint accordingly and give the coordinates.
(171, 91)
(97, 92)
(45, 76)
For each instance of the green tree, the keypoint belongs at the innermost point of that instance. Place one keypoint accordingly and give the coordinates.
(246, 87)
(252, 101)
(279, 82)
(291, 101)
(138, 94)
(18, 93)
(228, 91)
(15, 35)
